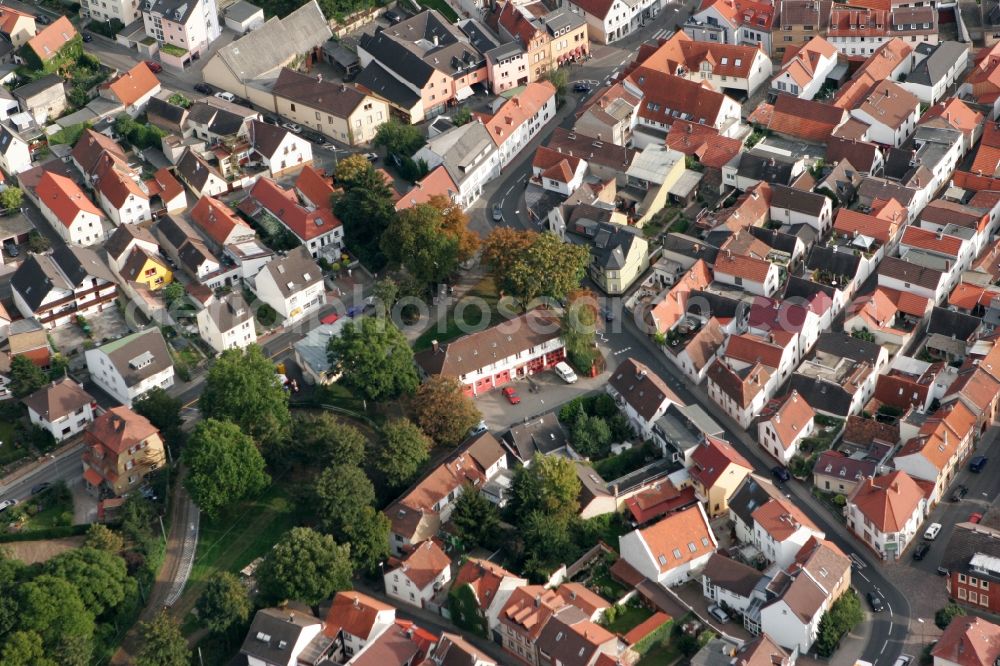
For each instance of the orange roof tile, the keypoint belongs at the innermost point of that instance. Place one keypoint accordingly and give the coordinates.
(957, 113)
(667, 312)
(888, 501)
(931, 241)
(117, 182)
(284, 205)
(781, 519)
(484, 577)
(354, 613)
(741, 388)
(751, 348)
(314, 186)
(791, 418)
(679, 538)
(437, 183)
(164, 185)
(851, 222)
(747, 268)
(967, 296)
(805, 119)
(64, 198)
(47, 42)
(9, 18)
(119, 428)
(969, 641)
(425, 563)
(712, 457)
(216, 219)
(518, 110)
(134, 84)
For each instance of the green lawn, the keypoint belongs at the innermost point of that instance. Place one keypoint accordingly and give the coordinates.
(661, 654)
(629, 617)
(615, 467)
(472, 317)
(10, 451)
(442, 7)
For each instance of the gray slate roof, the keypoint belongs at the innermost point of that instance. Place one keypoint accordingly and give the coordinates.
(612, 246)
(380, 82)
(125, 351)
(29, 90)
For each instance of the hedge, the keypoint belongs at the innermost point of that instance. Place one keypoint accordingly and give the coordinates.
(48, 533)
(653, 638)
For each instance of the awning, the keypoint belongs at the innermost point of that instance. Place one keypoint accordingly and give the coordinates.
(464, 93)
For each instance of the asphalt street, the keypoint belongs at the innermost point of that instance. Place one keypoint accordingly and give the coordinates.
(65, 467)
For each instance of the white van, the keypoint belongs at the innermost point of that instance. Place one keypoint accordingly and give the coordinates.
(565, 372)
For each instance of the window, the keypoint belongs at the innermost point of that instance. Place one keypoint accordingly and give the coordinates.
(677, 553)
(961, 577)
(984, 600)
(293, 107)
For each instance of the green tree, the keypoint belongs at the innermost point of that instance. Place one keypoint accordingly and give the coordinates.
(224, 466)
(944, 616)
(163, 411)
(399, 138)
(163, 644)
(462, 117)
(591, 436)
(402, 452)
(101, 537)
(243, 387)
(579, 328)
(173, 293)
(559, 79)
(99, 576)
(443, 410)
(374, 357)
(224, 603)
(306, 566)
(528, 264)
(365, 207)
(25, 377)
(368, 536)
(475, 518)
(180, 100)
(51, 607)
(342, 493)
(415, 240)
(547, 541)
(385, 293)
(465, 612)
(11, 198)
(323, 439)
(549, 485)
(844, 615)
(37, 242)
(24, 648)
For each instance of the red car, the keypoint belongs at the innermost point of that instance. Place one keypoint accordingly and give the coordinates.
(154, 66)
(975, 518)
(511, 395)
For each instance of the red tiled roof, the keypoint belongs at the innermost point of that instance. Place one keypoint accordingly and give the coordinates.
(354, 613)
(679, 538)
(661, 499)
(712, 149)
(425, 563)
(216, 219)
(9, 17)
(751, 348)
(437, 183)
(664, 94)
(314, 186)
(120, 428)
(64, 198)
(888, 501)
(711, 458)
(791, 419)
(48, 41)
(517, 111)
(285, 206)
(805, 119)
(484, 577)
(164, 185)
(969, 641)
(747, 268)
(852, 222)
(134, 84)
(934, 242)
(116, 182)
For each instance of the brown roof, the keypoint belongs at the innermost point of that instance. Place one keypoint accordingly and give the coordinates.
(425, 563)
(751, 348)
(641, 388)
(862, 431)
(732, 575)
(805, 119)
(484, 577)
(58, 399)
(741, 389)
(477, 350)
(91, 146)
(336, 99)
(888, 501)
(136, 261)
(907, 272)
(119, 428)
(747, 268)
(762, 651)
(890, 104)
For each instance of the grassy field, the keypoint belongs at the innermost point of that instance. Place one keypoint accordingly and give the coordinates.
(472, 317)
(234, 539)
(628, 618)
(661, 654)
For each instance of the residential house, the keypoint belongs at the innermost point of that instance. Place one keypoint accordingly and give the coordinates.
(292, 285)
(125, 11)
(901, 275)
(876, 26)
(62, 408)
(971, 559)
(493, 357)
(938, 71)
(667, 97)
(808, 120)
(611, 20)
(128, 367)
(673, 550)
(420, 512)
(132, 89)
(200, 176)
(58, 287)
(469, 155)
(283, 637)
(404, 642)
(969, 641)
(420, 65)
(839, 378)
(452, 648)
(781, 431)
(619, 256)
(736, 22)
(934, 451)
(120, 192)
(954, 253)
(804, 592)
(419, 574)
(122, 448)
(740, 393)
(734, 585)
(219, 223)
(548, 40)
(839, 473)
(735, 67)
(780, 531)
(182, 244)
(317, 228)
(654, 173)
(793, 207)
(792, 324)
(806, 72)
(14, 154)
(145, 268)
(17, 26)
(752, 274)
(354, 620)
(641, 394)
(227, 322)
(339, 111)
(716, 471)
(491, 586)
(885, 513)
(48, 41)
(44, 99)
(890, 316)
(184, 31)
(520, 118)
(956, 114)
(557, 171)
(168, 190)
(507, 66)
(279, 149)
(890, 111)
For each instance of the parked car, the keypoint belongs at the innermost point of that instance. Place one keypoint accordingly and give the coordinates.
(716, 611)
(87, 37)
(204, 88)
(271, 120)
(43, 19)
(154, 66)
(607, 314)
(875, 602)
(903, 660)
(581, 87)
(959, 493)
(227, 96)
(511, 395)
(975, 517)
(565, 372)
(479, 427)
(942, 571)
(371, 157)
(978, 463)
(11, 249)
(291, 127)
(39, 488)
(921, 550)
(6, 504)
(931, 532)
(497, 213)
(393, 17)
(780, 473)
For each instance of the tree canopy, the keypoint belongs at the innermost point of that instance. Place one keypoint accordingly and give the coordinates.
(416, 240)
(528, 264)
(243, 387)
(342, 492)
(224, 466)
(549, 485)
(163, 410)
(475, 518)
(163, 644)
(322, 439)
(443, 411)
(368, 536)
(224, 603)
(306, 566)
(25, 377)
(402, 452)
(102, 537)
(51, 607)
(365, 206)
(374, 357)
(99, 576)
(579, 328)
(399, 138)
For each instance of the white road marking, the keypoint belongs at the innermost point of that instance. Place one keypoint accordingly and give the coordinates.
(507, 193)
(502, 201)
(883, 647)
(889, 606)
(864, 576)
